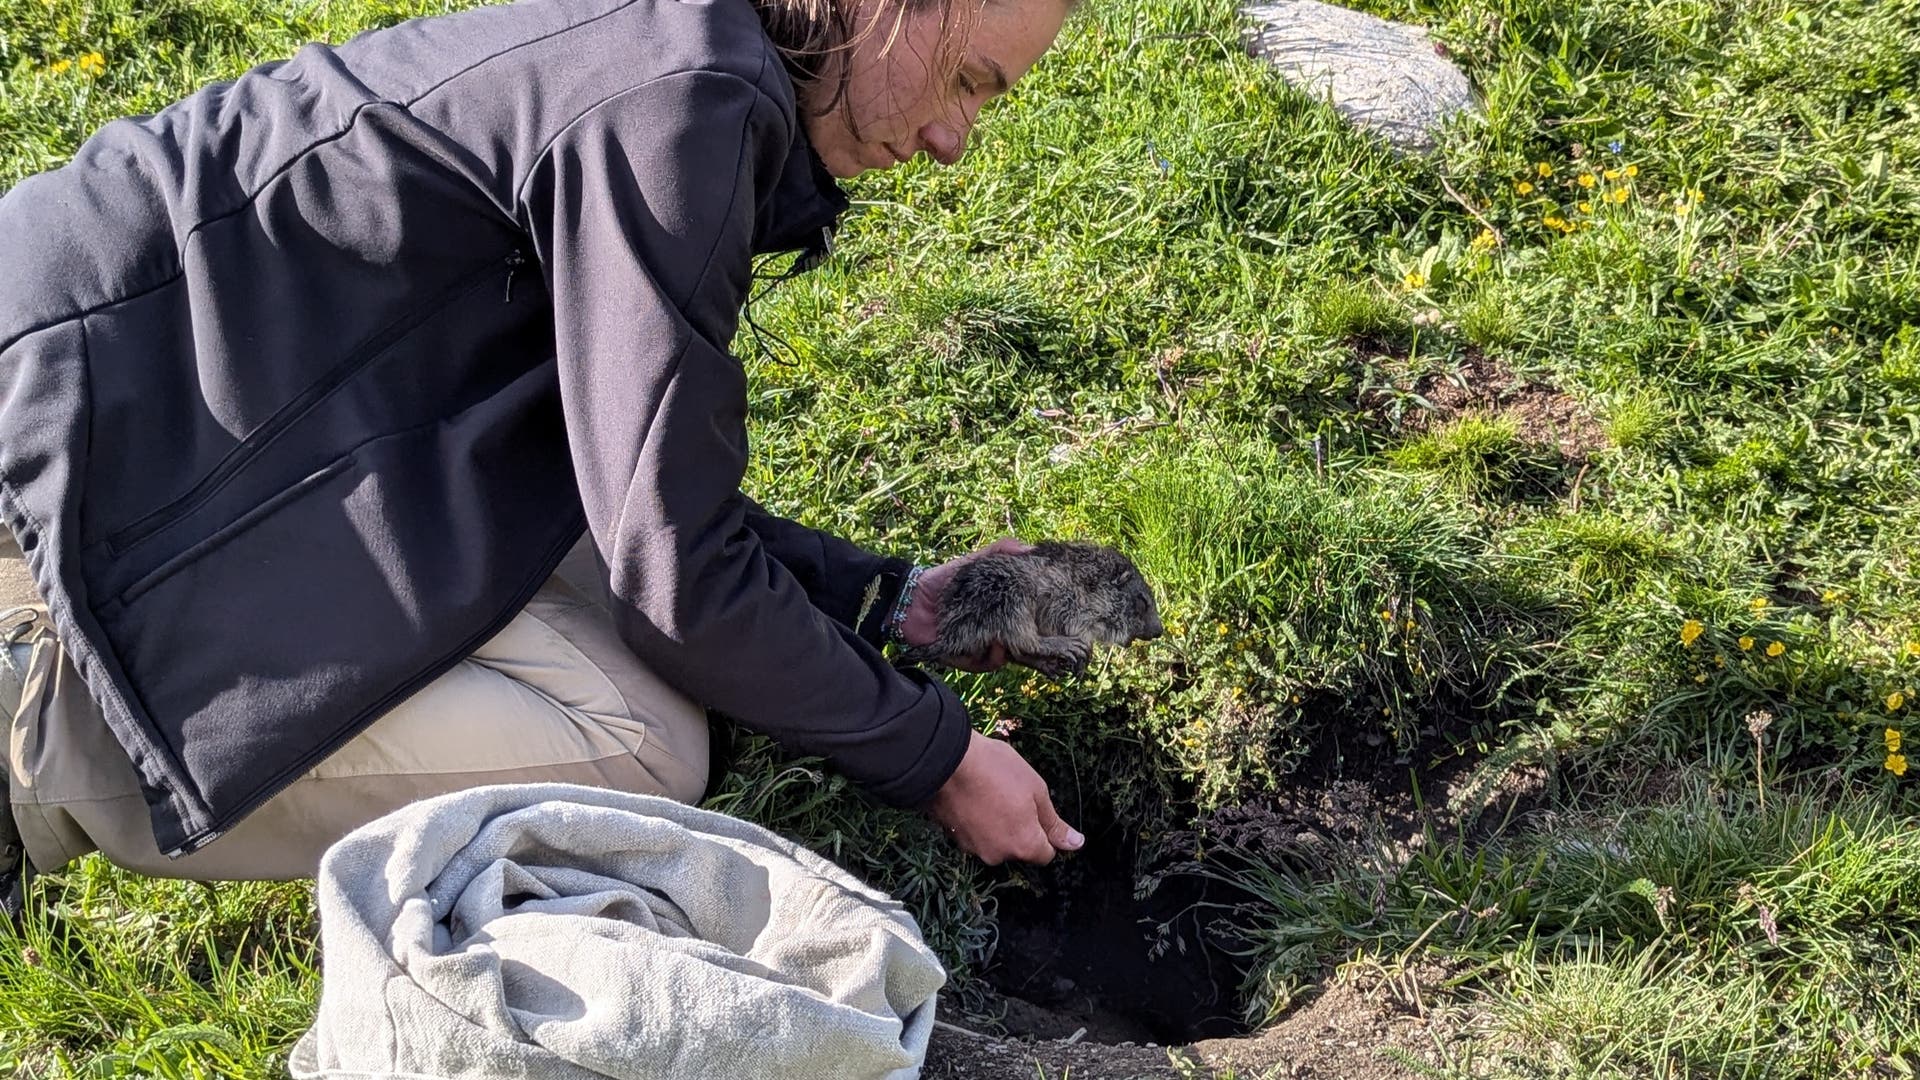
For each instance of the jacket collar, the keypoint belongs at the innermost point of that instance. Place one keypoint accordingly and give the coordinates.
(805, 207)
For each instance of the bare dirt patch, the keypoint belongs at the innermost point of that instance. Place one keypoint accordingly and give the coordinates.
(1349, 1031)
(1094, 982)
(1545, 415)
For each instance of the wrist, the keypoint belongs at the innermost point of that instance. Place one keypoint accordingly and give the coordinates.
(903, 607)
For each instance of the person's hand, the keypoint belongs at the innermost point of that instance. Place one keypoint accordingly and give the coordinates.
(922, 622)
(997, 808)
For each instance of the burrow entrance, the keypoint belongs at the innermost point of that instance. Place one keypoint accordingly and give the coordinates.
(1080, 953)
(1079, 950)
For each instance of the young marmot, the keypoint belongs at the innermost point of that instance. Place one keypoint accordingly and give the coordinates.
(1047, 606)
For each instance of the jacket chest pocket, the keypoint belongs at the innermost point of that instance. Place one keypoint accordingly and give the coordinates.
(447, 314)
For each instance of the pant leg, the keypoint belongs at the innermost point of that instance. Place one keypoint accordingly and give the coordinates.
(554, 697)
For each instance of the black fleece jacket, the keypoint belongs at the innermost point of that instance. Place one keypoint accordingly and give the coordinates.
(309, 380)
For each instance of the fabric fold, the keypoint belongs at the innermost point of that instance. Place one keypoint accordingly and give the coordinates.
(554, 931)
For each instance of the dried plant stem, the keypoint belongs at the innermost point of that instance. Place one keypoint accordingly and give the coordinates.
(1757, 722)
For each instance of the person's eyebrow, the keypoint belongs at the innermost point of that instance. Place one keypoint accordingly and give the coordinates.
(999, 73)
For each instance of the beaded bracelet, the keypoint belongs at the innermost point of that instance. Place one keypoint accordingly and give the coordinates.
(897, 618)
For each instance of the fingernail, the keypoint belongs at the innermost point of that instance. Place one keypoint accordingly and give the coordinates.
(1074, 839)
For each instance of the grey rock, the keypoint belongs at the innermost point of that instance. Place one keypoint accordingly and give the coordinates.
(1382, 76)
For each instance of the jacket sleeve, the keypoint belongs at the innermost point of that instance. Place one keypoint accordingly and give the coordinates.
(642, 212)
(855, 587)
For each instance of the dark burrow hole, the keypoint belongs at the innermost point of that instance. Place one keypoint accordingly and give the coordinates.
(1078, 950)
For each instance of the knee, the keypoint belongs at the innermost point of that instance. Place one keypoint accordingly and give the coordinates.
(682, 770)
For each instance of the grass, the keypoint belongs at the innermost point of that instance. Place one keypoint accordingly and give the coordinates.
(1159, 305)
(1696, 935)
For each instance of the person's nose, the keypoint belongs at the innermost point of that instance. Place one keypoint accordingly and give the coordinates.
(944, 140)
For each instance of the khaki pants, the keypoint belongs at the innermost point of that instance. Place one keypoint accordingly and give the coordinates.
(555, 696)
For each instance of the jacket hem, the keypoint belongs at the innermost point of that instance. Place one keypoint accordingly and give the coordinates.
(221, 824)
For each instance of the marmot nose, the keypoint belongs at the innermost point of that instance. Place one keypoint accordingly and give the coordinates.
(1153, 631)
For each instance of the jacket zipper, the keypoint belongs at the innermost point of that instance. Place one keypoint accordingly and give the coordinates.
(248, 448)
(515, 261)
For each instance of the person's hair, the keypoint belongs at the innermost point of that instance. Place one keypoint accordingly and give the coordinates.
(809, 33)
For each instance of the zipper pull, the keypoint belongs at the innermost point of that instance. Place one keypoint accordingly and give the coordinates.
(515, 261)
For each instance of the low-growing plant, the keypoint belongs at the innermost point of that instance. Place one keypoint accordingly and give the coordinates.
(1342, 308)
(1640, 421)
(1479, 455)
(1603, 556)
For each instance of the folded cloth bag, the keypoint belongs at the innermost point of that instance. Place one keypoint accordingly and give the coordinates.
(552, 930)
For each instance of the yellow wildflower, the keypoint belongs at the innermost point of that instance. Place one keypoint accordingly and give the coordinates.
(1222, 628)
(1746, 644)
(59, 66)
(1776, 648)
(1633, 170)
(1523, 187)
(1387, 615)
(1893, 740)
(1611, 174)
(1585, 207)
(1690, 631)
(1587, 179)
(1414, 279)
(1617, 195)
(1895, 700)
(1897, 764)
(1913, 648)
(92, 63)
(1701, 677)
(1485, 241)
(1681, 209)
(1545, 170)
(1758, 603)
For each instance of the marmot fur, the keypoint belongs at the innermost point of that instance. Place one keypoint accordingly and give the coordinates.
(1047, 606)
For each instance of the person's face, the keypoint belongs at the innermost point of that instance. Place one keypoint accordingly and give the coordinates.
(916, 93)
